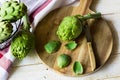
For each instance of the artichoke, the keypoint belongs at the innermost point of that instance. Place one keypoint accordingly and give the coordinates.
(22, 43)
(12, 11)
(6, 30)
(71, 26)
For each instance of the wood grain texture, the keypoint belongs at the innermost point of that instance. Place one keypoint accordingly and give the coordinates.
(30, 59)
(114, 23)
(110, 71)
(101, 33)
(106, 6)
(91, 56)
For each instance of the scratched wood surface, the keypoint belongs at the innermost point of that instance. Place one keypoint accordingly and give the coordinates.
(31, 67)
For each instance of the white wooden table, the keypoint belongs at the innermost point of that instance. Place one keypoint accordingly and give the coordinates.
(31, 68)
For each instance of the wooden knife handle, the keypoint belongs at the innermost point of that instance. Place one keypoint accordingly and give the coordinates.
(91, 56)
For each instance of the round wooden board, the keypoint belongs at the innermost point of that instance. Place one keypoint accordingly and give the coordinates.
(101, 35)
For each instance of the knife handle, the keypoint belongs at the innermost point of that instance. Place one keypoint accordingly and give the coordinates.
(91, 56)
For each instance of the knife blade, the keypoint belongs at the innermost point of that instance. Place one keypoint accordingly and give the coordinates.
(89, 45)
(87, 33)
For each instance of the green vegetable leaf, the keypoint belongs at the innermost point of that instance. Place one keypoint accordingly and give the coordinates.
(52, 46)
(63, 60)
(12, 10)
(71, 45)
(78, 68)
(69, 29)
(22, 44)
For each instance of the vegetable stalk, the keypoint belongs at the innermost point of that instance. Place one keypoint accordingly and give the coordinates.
(89, 16)
(26, 24)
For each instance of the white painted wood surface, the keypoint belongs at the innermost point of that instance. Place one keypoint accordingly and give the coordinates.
(106, 6)
(41, 72)
(31, 68)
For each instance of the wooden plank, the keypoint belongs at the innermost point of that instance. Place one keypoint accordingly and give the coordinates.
(31, 58)
(40, 72)
(106, 6)
(113, 78)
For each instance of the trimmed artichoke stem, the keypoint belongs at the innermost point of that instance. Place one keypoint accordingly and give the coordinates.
(26, 24)
(89, 16)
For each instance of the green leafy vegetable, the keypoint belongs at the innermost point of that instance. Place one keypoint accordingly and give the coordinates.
(71, 26)
(23, 42)
(6, 30)
(69, 29)
(12, 10)
(71, 45)
(78, 68)
(63, 60)
(52, 46)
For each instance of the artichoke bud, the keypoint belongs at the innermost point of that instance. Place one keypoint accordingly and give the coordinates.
(22, 44)
(12, 11)
(6, 30)
(69, 29)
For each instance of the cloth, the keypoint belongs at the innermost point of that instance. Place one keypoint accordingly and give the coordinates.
(37, 9)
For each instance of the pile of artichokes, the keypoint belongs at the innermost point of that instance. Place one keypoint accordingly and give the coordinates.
(23, 41)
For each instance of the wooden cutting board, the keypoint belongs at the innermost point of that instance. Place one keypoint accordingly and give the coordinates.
(101, 35)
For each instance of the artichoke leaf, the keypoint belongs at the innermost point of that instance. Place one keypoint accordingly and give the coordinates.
(77, 68)
(63, 60)
(52, 46)
(71, 45)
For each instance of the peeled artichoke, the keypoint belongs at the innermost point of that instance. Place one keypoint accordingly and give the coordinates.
(71, 26)
(6, 30)
(69, 29)
(22, 43)
(12, 11)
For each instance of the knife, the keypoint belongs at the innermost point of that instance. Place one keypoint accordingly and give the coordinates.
(86, 28)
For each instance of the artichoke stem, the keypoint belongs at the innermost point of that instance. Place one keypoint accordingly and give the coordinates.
(26, 24)
(89, 16)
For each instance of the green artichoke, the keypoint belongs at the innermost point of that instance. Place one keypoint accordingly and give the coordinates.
(71, 26)
(6, 30)
(22, 43)
(12, 11)
(69, 29)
